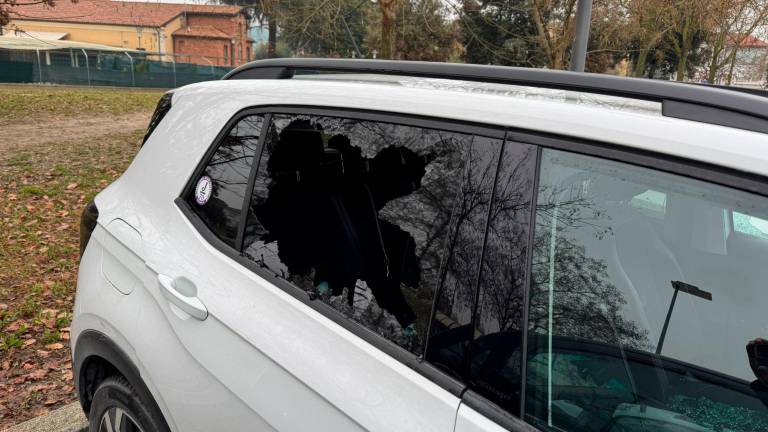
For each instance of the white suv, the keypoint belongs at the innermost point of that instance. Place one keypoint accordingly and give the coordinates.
(344, 245)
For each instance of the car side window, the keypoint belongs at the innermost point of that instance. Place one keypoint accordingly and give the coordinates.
(639, 320)
(359, 214)
(218, 192)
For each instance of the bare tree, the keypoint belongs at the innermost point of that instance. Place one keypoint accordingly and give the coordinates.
(647, 25)
(330, 28)
(730, 23)
(688, 21)
(423, 30)
(388, 11)
(555, 22)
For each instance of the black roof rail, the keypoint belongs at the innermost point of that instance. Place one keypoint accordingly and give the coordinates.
(708, 104)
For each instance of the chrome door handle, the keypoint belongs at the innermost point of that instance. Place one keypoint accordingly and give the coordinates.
(183, 294)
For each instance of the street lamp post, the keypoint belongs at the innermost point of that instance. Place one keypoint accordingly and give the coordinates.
(688, 289)
(581, 38)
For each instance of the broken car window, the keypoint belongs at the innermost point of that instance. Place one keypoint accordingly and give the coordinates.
(358, 213)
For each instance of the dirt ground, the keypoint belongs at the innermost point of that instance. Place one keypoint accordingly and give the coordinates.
(19, 134)
(49, 169)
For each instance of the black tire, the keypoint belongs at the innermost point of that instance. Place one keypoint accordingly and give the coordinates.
(115, 397)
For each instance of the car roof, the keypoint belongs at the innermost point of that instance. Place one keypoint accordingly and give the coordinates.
(624, 122)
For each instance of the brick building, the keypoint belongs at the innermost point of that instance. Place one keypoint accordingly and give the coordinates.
(203, 34)
(213, 36)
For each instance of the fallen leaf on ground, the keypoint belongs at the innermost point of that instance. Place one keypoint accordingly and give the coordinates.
(55, 346)
(37, 374)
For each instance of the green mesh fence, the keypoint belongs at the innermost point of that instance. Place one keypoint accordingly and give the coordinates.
(101, 69)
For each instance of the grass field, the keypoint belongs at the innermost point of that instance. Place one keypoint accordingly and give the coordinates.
(18, 103)
(44, 185)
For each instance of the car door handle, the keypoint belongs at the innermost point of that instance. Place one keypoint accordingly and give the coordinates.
(182, 292)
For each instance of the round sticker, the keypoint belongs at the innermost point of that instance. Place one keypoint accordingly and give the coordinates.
(203, 190)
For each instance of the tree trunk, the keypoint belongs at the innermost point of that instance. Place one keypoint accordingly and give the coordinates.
(640, 66)
(388, 8)
(733, 65)
(681, 66)
(542, 34)
(642, 59)
(682, 60)
(272, 43)
(714, 65)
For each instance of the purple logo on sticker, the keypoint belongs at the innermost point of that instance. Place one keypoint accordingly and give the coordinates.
(203, 190)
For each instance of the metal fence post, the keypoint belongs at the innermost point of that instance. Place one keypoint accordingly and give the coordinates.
(87, 66)
(133, 78)
(173, 62)
(39, 67)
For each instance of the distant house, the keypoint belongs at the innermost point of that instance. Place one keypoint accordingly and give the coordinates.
(202, 34)
(751, 65)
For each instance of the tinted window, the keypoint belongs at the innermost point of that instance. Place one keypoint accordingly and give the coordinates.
(217, 194)
(486, 351)
(643, 300)
(359, 214)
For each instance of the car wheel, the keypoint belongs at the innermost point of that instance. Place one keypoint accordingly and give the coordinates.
(117, 407)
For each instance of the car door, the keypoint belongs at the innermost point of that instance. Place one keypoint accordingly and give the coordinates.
(300, 269)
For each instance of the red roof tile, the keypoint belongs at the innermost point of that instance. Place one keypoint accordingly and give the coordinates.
(115, 12)
(201, 31)
(748, 41)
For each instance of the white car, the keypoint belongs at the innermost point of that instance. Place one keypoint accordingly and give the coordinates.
(348, 245)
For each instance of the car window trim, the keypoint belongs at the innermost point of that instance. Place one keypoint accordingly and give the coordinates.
(476, 283)
(528, 273)
(265, 127)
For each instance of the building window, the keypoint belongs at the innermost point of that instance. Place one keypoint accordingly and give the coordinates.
(226, 54)
(247, 53)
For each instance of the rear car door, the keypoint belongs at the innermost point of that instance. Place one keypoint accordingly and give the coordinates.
(302, 265)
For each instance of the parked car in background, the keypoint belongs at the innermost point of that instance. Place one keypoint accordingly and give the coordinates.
(343, 245)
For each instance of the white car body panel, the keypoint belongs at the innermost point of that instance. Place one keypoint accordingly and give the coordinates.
(281, 354)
